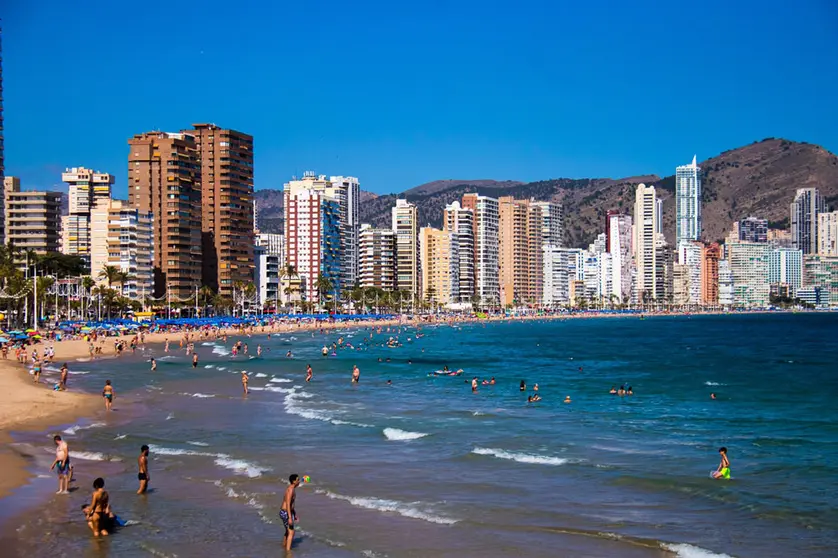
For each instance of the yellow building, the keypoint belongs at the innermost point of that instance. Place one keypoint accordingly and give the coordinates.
(439, 261)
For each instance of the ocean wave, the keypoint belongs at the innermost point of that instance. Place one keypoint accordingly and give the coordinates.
(240, 466)
(338, 422)
(520, 457)
(280, 380)
(160, 450)
(222, 368)
(260, 375)
(121, 436)
(92, 456)
(74, 429)
(415, 510)
(209, 366)
(713, 384)
(200, 395)
(170, 416)
(220, 350)
(402, 435)
(689, 551)
(202, 444)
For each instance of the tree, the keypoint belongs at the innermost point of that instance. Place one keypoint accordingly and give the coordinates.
(111, 274)
(288, 272)
(324, 287)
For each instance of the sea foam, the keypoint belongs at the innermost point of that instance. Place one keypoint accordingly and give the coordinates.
(415, 510)
(520, 457)
(73, 429)
(690, 551)
(402, 435)
(240, 466)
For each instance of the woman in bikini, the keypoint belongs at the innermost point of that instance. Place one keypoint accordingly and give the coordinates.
(108, 394)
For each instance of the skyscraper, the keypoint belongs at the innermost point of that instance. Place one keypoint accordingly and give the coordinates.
(377, 251)
(164, 174)
(405, 225)
(805, 208)
(619, 241)
(85, 189)
(749, 267)
(785, 266)
(349, 190)
(313, 234)
(460, 221)
(519, 227)
(34, 219)
(2, 159)
(644, 245)
(710, 257)
(687, 202)
(226, 182)
(486, 268)
(828, 234)
(690, 257)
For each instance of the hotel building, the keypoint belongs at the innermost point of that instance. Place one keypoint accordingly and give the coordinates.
(86, 188)
(439, 261)
(377, 253)
(807, 205)
(460, 221)
(486, 256)
(687, 203)
(406, 228)
(123, 237)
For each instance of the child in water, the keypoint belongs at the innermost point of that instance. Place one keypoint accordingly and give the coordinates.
(723, 472)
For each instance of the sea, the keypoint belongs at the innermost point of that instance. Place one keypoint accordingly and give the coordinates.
(424, 466)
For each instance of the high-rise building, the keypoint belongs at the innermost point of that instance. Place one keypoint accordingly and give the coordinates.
(86, 188)
(519, 227)
(664, 277)
(726, 284)
(405, 225)
(680, 284)
(749, 266)
(313, 228)
(807, 205)
(272, 243)
(710, 256)
(619, 241)
(828, 234)
(267, 273)
(122, 237)
(687, 202)
(349, 196)
(33, 219)
(753, 229)
(439, 262)
(690, 256)
(460, 221)
(377, 251)
(164, 174)
(562, 267)
(226, 185)
(549, 230)
(10, 184)
(486, 256)
(608, 215)
(785, 267)
(821, 273)
(2, 159)
(646, 225)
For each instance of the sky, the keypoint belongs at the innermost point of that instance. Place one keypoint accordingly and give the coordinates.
(402, 93)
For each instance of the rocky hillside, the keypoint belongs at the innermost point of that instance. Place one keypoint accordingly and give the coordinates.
(758, 179)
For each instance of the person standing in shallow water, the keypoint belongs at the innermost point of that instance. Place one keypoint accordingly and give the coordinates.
(288, 511)
(142, 475)
(245, 379)
(723, 471)
(356, 374)
(108, 395)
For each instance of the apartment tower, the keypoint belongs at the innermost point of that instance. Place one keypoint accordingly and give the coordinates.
(440, 266)
(33, 219)
(226, 183)
(520, 250)
(828, 234)
(349, 197)
(164, 174)
(807, 205)
(687, 202)
(644, 245)
(405, 226)
(460, 221)
(486, 255)
(377, 263)
(123, 237)
(710, 256)
(86, 188)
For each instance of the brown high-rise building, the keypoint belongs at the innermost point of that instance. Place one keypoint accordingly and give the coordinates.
(226, 162)
(164, 178)
(710, 256)
(519, 250)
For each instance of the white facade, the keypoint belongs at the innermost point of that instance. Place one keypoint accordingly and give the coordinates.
(786, 266)
(687, 202)
(460, 221)
(122, 237)
(808, 204)
(86, 189)
(377, 267)
(406, 227)
(828, 234)
(690, 256)
(726, 284)
(273, 244)
(749, 266)
(267, 276)
(350, 198)
(486, 246)
(620, 230)
(552, 223)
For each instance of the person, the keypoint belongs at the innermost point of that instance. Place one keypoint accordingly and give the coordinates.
(100, 509)
(288, 354)
(244, 381)
(529, 399)
(142, 465)
(523, 385)
(63, 382)
(108, 393)
(258, 350)
(62, 461)
(613, 390)
(153, 364)
(36, 370)
(309, 373)
(621, 392)
(535, 387)
(474, 385)
(356, 374)
(389, 382)
(629, 391)
(536, 398)
(195, 360)
(723, 472)
(492, 381)
(288, 512)
(712, 396)
(108, 522)
(567, 399)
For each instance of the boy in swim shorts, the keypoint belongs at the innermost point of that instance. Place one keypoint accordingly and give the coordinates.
(723, 472)
(288, 512)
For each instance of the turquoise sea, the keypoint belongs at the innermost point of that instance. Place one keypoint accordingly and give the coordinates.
(425, 467)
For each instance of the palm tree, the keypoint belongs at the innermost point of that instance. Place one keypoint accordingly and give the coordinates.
(205, 296)
(87, 284)
(323, 286)
(111, 274)
(288, 272)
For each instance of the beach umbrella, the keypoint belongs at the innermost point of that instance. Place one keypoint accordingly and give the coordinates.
(4, 340)
(30, 330)
(36, 337)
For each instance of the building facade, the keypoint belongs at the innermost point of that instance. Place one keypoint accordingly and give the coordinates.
(785, 267)
(123, 237)
(619, 245)
(753, 230)
(710, 257)
(439, 262)
(726, 284)
(460, 221)
(267, 273)
(33, 219)
(519, 262)
(821, 273)
(690, 256)
(11, 184)
(828, 234)
(687, 203)
(807, 205)
(86, 188)
(377, 253)
(226, 186)
(272, 243)
(486, 253)
(164, 174)
(349, 189)
(749, 267)
(646, 226)
(405, 225)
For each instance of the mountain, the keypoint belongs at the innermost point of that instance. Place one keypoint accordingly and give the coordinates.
(759, 179)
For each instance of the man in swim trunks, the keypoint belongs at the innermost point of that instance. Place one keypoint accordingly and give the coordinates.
(142, 475)
(62, 461)
(195, 360)
(723, 472)
(288, 513)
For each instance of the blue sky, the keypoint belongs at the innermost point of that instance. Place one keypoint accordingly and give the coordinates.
(401, 93)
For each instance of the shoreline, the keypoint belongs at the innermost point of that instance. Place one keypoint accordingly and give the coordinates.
(25, 407)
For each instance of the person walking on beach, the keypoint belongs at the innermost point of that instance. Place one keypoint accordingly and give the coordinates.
(62, 461)
(288, 512)
(62, 383)
(142, 465)
(244, 381)
(723, 472)
(108, 394)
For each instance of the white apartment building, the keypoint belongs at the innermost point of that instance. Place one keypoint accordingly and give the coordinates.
(86, 189)
(808, 204)
(267, 276)
(726, 284)
(786, 266)
(690, 256)
(272, 243)
(377, 258)
(646, 226)
(687, 202)
(620, 233)
(349, 196)
(749, 266)
(828, 234)
(122, 236)
(486, 247)
(460, 221)
(405, 225)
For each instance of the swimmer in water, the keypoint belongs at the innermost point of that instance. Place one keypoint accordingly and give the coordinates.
(245, 379)
(195, 360)
(288, 354)
(309, 373)
(629, 391)
(723, 472)
(153, 364)
(535, 387)
(258, 350)
(492, 381)
(474, 385)
(356, 374)
(523, 385)
(567, 399)
(613, 391)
